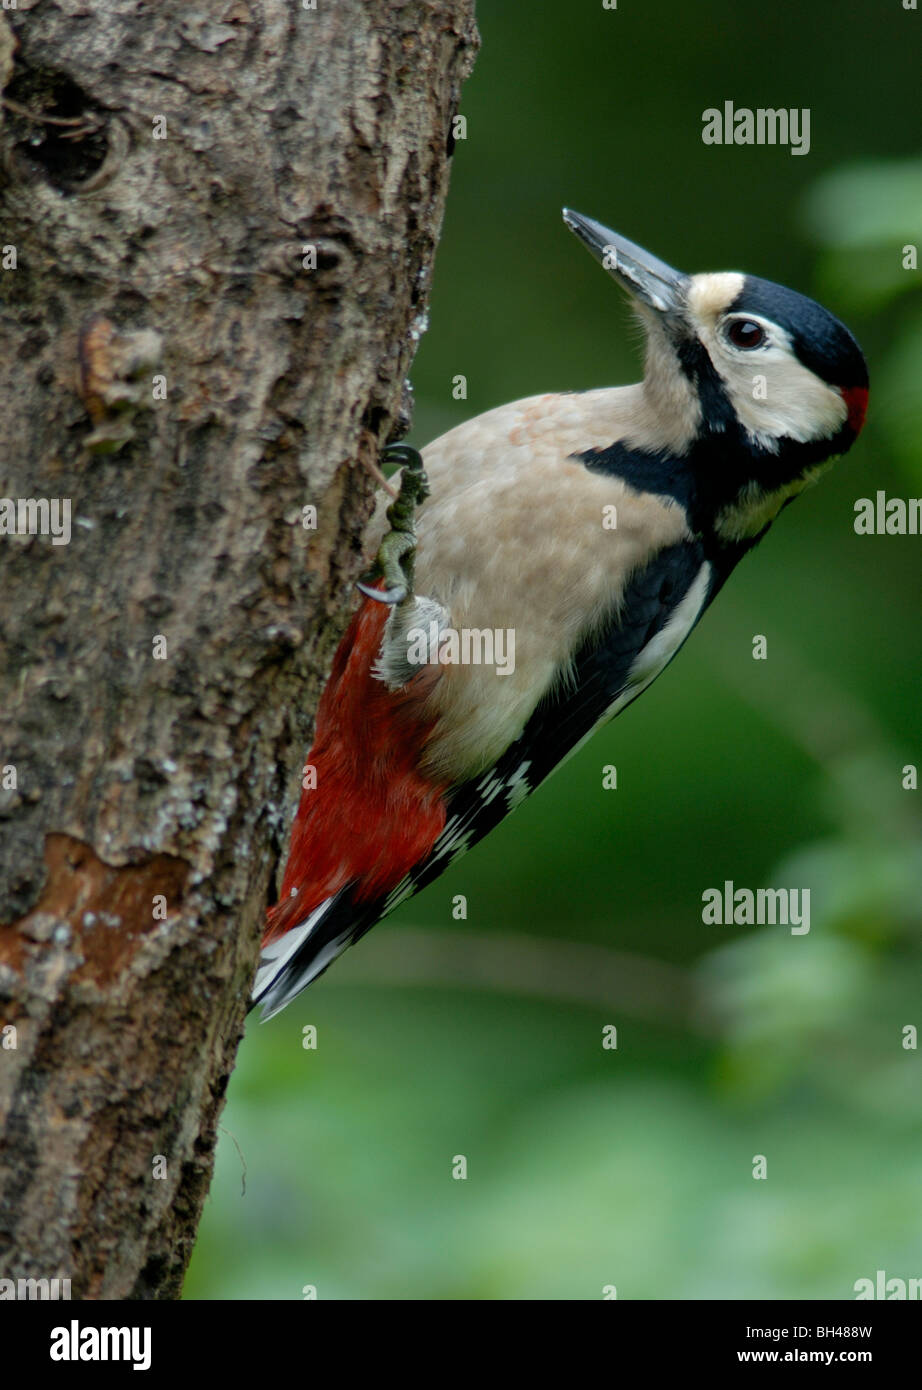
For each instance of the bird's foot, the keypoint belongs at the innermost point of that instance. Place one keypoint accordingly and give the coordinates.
(394, 562)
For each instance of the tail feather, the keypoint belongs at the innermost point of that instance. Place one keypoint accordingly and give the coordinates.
(277, 979)
(289, 963)
(366, 819)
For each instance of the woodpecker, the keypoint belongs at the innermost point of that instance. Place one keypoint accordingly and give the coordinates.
(749, 391)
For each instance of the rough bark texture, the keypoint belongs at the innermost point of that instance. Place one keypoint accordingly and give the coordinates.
(162, 234)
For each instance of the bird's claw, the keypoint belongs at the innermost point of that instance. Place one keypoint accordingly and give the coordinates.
(394, 561)
(395, 595)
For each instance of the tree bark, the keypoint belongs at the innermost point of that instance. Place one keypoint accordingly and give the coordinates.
(215, 247)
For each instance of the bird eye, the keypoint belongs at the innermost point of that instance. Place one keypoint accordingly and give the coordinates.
(743, 333)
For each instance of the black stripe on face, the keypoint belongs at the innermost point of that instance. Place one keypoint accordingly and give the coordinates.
(714, 474)
(717, 413)
(820, 341)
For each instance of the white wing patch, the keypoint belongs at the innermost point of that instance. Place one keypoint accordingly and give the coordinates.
(652, 659)
(661, 648)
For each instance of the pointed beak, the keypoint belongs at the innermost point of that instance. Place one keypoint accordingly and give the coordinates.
(642, 275)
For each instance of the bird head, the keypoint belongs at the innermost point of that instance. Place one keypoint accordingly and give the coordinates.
(760, 385)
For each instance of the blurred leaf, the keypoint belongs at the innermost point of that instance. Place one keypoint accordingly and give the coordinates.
(898, 402)
(864, 205)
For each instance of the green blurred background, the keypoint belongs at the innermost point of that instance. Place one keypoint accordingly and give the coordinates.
(633, 1167)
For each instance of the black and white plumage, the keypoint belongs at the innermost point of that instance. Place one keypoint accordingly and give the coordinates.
(749, 391)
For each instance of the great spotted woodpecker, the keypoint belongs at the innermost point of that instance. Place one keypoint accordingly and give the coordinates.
(749, 391)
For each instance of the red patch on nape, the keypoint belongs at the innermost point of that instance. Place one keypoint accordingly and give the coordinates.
(856, 398)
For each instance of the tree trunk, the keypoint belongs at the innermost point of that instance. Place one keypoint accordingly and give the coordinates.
(215, 245)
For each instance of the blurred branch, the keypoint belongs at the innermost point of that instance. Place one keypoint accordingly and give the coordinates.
(567, 972)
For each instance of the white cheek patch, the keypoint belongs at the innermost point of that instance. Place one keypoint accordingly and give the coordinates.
(775, 395)
(772, 393)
